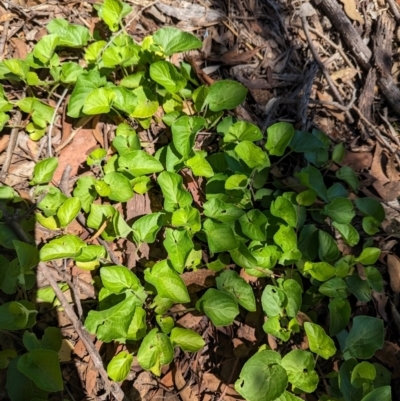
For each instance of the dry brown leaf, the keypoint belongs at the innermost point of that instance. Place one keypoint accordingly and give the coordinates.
(357, 160)
(350, 8)
(198, 280)
(344, 74)
(326, 97)
(185, 391)
(98, 135)
(64, 354)
(7, 17)
(393, 265)
(386, 188)
(189, 321)
(21, 49)
(213, 384)
(75, 154)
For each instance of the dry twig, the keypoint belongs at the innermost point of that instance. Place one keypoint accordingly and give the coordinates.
(11, 146)
(110, 387)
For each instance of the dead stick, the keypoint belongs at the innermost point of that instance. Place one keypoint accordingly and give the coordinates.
(394, 9)
(3, 39)
(11, 147)
(113, 388)
(322, 67)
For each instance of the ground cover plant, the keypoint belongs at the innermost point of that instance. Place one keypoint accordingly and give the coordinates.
(271, 238)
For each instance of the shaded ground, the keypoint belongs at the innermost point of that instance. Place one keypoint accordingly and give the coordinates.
(300, 65)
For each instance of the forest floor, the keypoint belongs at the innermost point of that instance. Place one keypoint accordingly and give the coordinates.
(302, 62)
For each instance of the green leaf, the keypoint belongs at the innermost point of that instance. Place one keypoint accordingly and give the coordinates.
(374, 278)
(350, 393)
(166, 323)
(98, 101)
(175, 196)
(328, 250)
(348, 232)
(112, 12)
(178, 245)
(173, 41)
(371, 207)
(243, 131)
(167, 282)
(306, 198)
(68, 211)
(93, 51)
(119, 366)
(44, 49)
(359, 288)
(262, 377)
(28, 255)
(254, 225)
(339, 315)
(66, 246)
(187, 217)
(85, 84)
(236, 181)
(186, 339)
(220, 236)
(44, 170)
(70, 35)
(321, 271)
(347, 175)
(17, 315)
(381, 394)
(200, 166)
(220, 307)
(283, 208)
(286, 238)
(293, 293)
(85, 191)
(146, 228)
(273, 301)
(43, 368)
(231, 283)
(70, 72)
(184, 131)
(363, 373)
(117, 279)
(366, 336)
(312, 178)
(112, 323)
(138, 162)
(221, 211)
(138, 327)
(299, 366)
(273, 327)
(252, 155)
(369, 256)
(338, 153)
(225, 95)
(147, 103)
(155, 351)
(6, 356)
(334, 288)
(91, 253)
(320, 343)
(18, 67)
(279, 136)
(370, 225)
(121, 189)
(167, 75)
(340, 210)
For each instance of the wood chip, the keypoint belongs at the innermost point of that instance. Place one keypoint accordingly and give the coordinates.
(393, 265)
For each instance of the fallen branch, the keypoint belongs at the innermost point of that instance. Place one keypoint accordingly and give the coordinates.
(110, 387)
